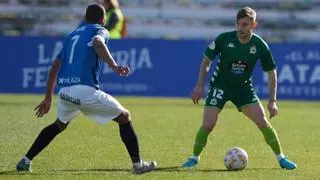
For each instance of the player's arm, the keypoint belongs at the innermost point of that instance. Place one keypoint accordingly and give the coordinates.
(103, 51)
(204, 68)
(198, 90)
(272, 81)
(269, 66)
(52, 78)
(98, 43)
(45, 104)
(272, 104)
(211, 51)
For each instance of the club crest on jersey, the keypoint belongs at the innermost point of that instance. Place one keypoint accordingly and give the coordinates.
(231, 45)
(213, 101)
(253, 50)
(212, 45)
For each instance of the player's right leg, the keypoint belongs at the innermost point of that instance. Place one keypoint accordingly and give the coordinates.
(214, 104)
(43, 139)
(66, 112)
(210, 117)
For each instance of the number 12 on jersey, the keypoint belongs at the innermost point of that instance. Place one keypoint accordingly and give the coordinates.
(218, 93)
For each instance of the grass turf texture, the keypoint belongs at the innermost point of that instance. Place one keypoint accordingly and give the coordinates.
(166, 129)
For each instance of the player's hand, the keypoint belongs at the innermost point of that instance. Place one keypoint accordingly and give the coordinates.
(196, 94)
(43, 108)
(273, 108)
(122, 70)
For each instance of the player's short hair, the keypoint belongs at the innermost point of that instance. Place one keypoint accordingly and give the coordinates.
(247, 12)
(94, 13)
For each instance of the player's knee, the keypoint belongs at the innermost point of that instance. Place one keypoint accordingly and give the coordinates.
(263, 123)
(124, 117)
(127, 114)
(61, 126)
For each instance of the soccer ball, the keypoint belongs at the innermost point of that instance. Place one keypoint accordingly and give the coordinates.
(236, 159)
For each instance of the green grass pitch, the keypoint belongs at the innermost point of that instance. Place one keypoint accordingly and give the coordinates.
(166, 128)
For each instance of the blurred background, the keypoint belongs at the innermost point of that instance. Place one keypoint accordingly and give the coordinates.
(163, 43)
(163, 46)
(279, 20)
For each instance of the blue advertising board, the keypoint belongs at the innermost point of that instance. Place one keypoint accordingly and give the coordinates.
(298, 68)
(158, 67)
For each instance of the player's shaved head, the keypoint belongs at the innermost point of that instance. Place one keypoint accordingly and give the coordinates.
(247, 12)
(95, 13)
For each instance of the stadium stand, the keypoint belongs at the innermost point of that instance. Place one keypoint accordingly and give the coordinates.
(279, 20)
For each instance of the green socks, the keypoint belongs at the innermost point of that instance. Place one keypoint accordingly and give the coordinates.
(200, 141)
(269, 134)
(271, 137)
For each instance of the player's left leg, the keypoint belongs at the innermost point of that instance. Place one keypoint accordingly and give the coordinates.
(130, 140)
(256, 113)
(102, 107)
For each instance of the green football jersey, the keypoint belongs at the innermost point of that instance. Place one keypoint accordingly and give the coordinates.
(236, 61)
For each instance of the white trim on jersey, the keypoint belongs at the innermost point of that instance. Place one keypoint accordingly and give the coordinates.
(102, 34)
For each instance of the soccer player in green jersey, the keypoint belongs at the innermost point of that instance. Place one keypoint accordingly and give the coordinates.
(238, 53)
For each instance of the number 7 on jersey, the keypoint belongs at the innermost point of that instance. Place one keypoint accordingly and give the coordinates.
(75, 40)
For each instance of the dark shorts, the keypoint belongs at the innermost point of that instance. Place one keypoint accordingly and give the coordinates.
(240, 97)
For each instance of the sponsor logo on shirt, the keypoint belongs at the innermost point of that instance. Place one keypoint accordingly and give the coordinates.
(69, 80)
(238, 67)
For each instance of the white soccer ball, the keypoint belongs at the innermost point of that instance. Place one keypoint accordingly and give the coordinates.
(236, 158)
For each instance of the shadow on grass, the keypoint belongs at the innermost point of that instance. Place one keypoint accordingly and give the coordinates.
(179, 169)
(61, 171)
(159, 169)
(162, 169)
(94, 170)
(14, 173)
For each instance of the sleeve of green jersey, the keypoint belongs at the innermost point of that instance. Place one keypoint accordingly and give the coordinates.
(267, 60)
(213, 49)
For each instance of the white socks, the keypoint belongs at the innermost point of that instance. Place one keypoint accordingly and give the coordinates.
(280, 156)
(137, 164)
(28, 161)
(197, 158)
